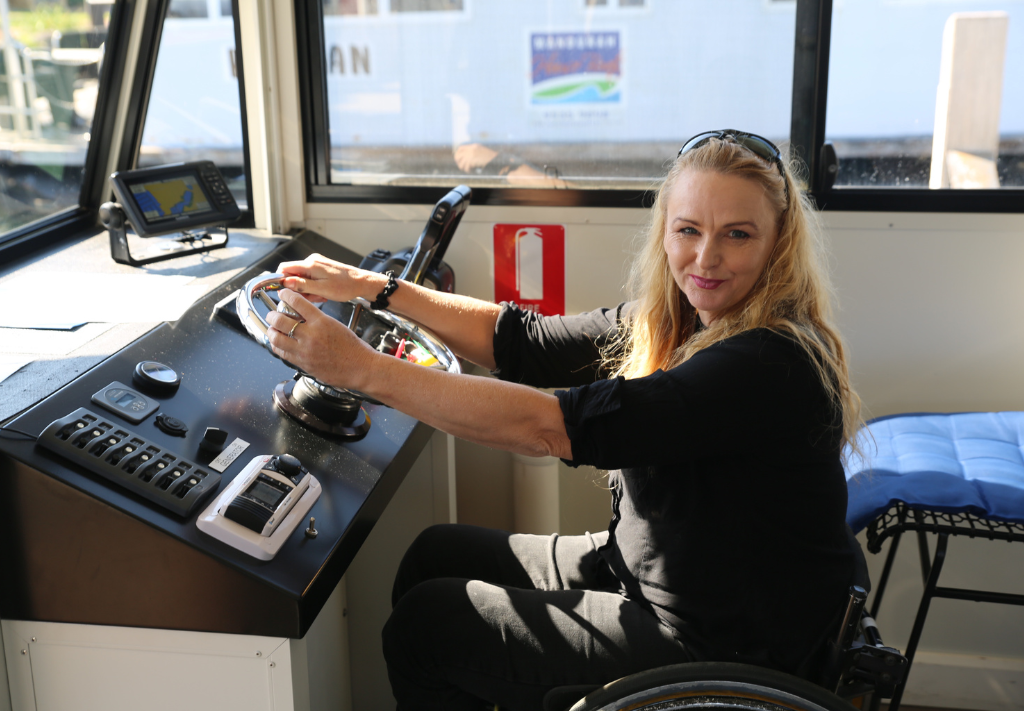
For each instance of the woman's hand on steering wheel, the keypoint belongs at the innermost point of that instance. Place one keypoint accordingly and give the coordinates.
(319, 345)
(320, 279)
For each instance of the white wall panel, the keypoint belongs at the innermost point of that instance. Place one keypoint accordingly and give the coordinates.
(932, 307)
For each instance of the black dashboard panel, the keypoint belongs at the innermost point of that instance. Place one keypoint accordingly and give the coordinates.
(79, 548)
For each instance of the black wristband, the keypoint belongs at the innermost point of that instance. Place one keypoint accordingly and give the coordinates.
(390, 288)
(503, 164)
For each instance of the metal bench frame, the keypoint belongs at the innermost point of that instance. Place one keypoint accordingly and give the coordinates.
(902, 517)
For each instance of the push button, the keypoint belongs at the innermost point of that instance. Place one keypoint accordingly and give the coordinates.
(157, 378)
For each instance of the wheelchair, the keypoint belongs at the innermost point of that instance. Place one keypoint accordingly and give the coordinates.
(853, 663)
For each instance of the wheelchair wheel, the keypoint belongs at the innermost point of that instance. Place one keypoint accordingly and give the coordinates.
(711, 685)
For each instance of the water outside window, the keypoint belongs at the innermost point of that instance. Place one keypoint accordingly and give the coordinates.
(194, 106)
(50, 59)
(578, 93)
(927, 93)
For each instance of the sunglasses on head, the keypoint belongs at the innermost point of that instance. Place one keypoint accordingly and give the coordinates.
(758, 145)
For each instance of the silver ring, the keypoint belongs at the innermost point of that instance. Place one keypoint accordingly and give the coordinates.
(292, 331)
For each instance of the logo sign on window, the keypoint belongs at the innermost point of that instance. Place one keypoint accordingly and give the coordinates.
(576, 67)
(529, 267)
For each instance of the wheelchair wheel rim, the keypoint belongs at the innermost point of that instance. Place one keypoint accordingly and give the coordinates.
(711, 694)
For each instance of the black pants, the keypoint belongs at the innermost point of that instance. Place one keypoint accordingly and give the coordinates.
(485, 615)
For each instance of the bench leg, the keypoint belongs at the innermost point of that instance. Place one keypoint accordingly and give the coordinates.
(922, 549)
(922, 613)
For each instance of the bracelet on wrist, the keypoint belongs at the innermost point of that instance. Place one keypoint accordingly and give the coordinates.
(503, 164)
(381, 302)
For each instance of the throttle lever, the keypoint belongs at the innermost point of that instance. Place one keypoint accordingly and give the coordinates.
(437, 234)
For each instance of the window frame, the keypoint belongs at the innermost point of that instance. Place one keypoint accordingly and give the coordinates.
(807, 137)
(881, 199)
(248, 216)
(132, 143)
(82, 219)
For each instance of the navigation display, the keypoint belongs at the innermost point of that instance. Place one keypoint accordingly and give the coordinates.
(182, 197)
(169, 199)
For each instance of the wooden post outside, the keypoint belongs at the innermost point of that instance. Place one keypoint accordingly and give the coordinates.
(965, 144)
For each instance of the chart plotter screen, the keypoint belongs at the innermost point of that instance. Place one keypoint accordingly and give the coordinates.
(180, 197)
(171, 198)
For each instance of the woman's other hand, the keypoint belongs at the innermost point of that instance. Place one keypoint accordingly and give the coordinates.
(320, 279)
(470, 156)
(319, 345)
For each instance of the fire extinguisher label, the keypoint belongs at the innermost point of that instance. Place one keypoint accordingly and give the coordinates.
(529, 267)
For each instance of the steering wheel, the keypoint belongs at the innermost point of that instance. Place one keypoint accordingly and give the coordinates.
(373, 326)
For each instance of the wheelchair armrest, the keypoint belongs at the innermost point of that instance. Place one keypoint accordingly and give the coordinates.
(856, 663)
(835, 659)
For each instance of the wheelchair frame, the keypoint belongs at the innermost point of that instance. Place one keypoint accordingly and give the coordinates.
(856, 663)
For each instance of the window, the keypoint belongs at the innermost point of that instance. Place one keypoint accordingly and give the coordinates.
(373, 7)
(613, 3)
(194, 105)
(189, 8)
(425, 5)
(584, 95)
(926, 94)
(350, 7)
(50, 58)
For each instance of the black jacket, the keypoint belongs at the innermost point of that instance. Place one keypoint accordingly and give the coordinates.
(729, 497)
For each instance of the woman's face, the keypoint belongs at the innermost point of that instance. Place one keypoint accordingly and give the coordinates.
(719, 232)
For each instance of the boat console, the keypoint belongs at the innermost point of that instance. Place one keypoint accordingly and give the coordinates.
(192, 481)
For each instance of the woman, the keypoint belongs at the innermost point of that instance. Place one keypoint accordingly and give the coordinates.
(719, 399)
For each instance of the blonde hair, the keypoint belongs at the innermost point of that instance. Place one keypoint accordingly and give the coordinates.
(792, 296)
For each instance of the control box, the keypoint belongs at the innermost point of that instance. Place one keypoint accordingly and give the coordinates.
(262, 506)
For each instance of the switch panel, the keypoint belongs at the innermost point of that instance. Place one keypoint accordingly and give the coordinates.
(130, 460)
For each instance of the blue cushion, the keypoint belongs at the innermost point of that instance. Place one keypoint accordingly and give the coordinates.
(965, 462)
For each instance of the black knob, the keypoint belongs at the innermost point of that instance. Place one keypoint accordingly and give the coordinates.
(289, 465)
(156, 378)
(111, 216)
(213, 440)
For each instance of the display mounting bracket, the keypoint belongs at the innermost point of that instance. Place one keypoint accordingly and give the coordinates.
(191, 242)
(183, 200)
